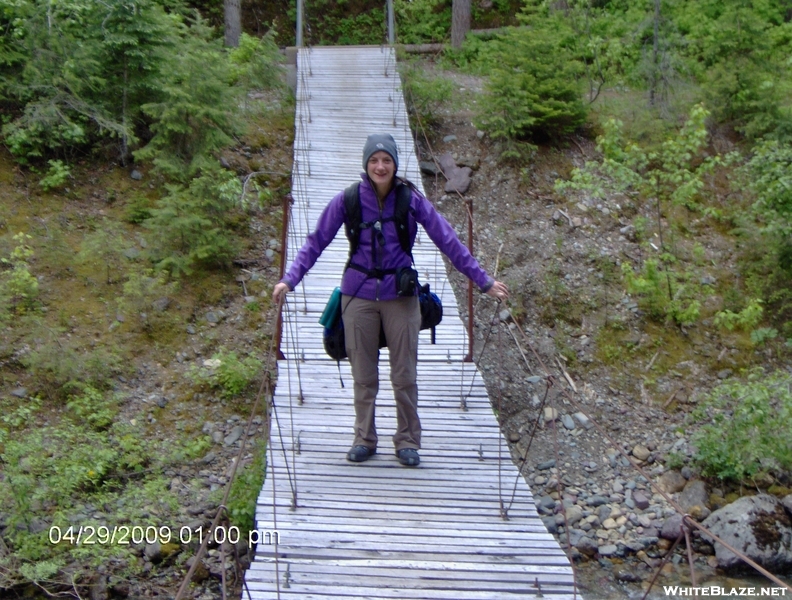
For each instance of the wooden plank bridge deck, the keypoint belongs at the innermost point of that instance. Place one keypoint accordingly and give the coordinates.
(378, 530)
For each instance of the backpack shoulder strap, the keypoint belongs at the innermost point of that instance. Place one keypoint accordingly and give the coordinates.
(353, 218)
(402, 210)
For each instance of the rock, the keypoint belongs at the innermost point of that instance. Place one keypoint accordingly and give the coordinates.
(640, 452)
(695, 493)
(597, 500)
(428, 167)
(548, 464)
(550, 524)
(514, 437)
(699, 513)
(724, 374)
(629, 232)
(217, 436)
(546, 502)
(469, 161)
(19, 392)
(550, 414)
(99, 588)
(608, 550)
(609, 523)
(716, 501)
(504, 315)
(583, 420)
(136, 175)
(641, 501)
(459, 180)
(201, 573)
(235, 434)
(574, 514)
(224, 163)
(671, 482)
(449, 138)
(214, 317)
(479, 134)
(759, 527)
(161, 305)
(153, 552)
(624, 573)
(191, 329)
(787, 503)
(568, 423)
(587, 546)
(162, 402)
(686, 472)
(671, 527)
(779, 491)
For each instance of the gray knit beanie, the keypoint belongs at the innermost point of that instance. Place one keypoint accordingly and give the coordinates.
(380, 141)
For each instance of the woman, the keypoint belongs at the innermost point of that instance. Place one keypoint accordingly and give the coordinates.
(370, 300)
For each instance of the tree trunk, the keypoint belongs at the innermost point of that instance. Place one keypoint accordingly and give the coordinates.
(655, 78)
(460, 22)
(233, 22)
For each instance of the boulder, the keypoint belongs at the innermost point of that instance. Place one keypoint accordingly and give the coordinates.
(457, 179)
(787, 502)
(671, 482)
(758, 527)
(694, 494)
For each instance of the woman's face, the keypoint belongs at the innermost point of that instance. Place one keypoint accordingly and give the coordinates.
(381, 169)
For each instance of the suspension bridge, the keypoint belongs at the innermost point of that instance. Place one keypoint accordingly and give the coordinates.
(461, 526)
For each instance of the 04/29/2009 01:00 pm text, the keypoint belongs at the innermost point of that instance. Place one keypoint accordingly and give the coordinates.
(123, 535)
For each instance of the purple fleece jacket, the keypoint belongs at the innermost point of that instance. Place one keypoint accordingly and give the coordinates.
(389, 256)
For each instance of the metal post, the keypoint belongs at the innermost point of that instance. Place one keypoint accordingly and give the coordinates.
(299, 23)
(469, 357)
(391, 24)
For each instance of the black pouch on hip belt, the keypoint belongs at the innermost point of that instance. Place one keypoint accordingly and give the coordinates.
(406, 282)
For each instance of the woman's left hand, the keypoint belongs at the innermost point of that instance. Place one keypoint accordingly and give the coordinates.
(499, 291)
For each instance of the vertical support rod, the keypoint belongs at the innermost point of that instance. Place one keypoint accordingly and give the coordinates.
(299, 41)
(284, 243)
(391, 24)
(469, 357)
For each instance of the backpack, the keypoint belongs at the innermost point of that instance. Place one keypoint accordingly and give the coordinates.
(354, 224)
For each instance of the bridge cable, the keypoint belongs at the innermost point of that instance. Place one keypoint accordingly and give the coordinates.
(264, 390)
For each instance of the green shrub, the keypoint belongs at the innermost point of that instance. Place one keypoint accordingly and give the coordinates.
(90, 406)
(18, 287)
(664, 295)
(422, 21)
(246, 488)
(767, 255)
(747, 427)
(747, 319)
(226, 372)
(57, 175)
(106, 249)
(141, 290)
(532, 91)
(57, 366)
(426, 94)
(190, 226)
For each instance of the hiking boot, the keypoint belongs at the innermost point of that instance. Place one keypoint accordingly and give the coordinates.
(409, 457)
(360, 453)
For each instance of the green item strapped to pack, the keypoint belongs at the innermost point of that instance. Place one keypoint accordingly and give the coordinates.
(332, 310)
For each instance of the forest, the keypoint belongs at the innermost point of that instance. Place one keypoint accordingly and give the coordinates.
(143, 167)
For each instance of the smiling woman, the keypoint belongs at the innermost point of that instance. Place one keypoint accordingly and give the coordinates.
(371, 301)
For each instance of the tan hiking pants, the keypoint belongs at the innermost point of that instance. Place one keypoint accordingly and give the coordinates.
(401, 321)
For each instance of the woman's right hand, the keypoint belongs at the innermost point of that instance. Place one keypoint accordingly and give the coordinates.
(279, 293)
